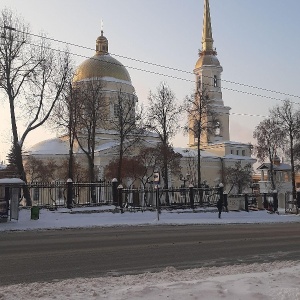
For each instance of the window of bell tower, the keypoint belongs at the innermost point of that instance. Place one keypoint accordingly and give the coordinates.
(215, 81)
(199, 83)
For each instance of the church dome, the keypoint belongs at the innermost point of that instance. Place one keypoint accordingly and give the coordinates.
(102, 65)
(207, 60)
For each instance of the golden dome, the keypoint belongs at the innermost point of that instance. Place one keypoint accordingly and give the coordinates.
(100, 66)
(207, 60)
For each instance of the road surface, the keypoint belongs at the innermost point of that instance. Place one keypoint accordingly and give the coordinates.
(36, 256)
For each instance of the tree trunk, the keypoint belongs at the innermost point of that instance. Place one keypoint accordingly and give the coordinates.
(92, 179)
(71, 164)
(199, 164)
(21, 172)
(293, 166)
(166, 180)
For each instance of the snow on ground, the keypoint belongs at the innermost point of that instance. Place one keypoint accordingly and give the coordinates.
(108, 216)
(278, 280)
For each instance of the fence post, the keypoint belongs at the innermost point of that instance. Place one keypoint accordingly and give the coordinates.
(114, 184)
(225, 201)
(265, 201)
(69, 192)
(120, 196)
(221, 191)
(157, 200)
(298, 202)
(191, 188)
(246, 203)
(275, 201)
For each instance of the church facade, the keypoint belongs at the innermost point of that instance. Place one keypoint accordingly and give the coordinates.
(217, 151)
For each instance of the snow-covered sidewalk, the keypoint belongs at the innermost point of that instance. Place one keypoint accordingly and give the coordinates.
(276, 281)
(106, 216)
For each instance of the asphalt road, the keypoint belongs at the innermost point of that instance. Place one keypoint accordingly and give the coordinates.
(36, 256)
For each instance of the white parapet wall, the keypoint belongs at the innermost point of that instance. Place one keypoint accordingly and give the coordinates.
(236, 203)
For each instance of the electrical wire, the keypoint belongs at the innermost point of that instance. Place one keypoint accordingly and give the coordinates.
(167, 75)
(167, 67)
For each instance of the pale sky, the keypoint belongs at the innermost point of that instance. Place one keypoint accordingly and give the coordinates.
(257, 43)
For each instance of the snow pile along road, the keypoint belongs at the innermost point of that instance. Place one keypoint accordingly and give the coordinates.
(277, 281)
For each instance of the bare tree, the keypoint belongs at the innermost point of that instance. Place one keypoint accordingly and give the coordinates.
(202, 121)
(39, 170)
(270, 141)
(288, 119)
(127, 122)
(90, 117)
(163, 118)
(191, 164)
(132, 168)
(148, 158)
(64, 120)
(297, 156)
(238, 176)
(165, 155)
(80, 173)
(32, 77)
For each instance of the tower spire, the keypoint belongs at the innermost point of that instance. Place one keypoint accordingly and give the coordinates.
(207, 39)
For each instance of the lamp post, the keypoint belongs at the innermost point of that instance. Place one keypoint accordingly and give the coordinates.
(120, 196)
(184, 179)
(157, 200)
(114, 183)
(69, 192)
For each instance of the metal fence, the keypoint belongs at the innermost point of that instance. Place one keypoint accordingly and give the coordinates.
(55, 194)
(172, 197)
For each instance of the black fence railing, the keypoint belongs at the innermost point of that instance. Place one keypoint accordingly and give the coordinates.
(55, 193)
(172, 197)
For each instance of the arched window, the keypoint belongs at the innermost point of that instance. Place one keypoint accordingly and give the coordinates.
(215, 81)
(199, 83)
(218, 129)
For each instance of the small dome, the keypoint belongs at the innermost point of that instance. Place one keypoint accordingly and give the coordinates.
(207, 60)
(51, 146)
(102, 38)
(100, 66)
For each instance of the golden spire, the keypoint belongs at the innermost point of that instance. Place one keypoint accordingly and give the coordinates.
(207, 39)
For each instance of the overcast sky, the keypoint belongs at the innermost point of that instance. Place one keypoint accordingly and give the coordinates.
(257, 43)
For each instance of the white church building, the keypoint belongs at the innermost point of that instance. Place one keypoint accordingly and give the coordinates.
(217, 153)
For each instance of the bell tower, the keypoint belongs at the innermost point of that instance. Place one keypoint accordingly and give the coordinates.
(208, 84)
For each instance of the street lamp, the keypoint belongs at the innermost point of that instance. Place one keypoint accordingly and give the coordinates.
(184, 178)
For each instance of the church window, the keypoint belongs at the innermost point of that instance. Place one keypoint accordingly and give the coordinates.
(218, 129)
(116, 110)
(243, 152)
(215, 81)
(199, 83)
(231, 151)
(237, 152)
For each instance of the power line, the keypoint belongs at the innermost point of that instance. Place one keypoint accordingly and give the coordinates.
(165, 67)
(154, 72)
(167, 75)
